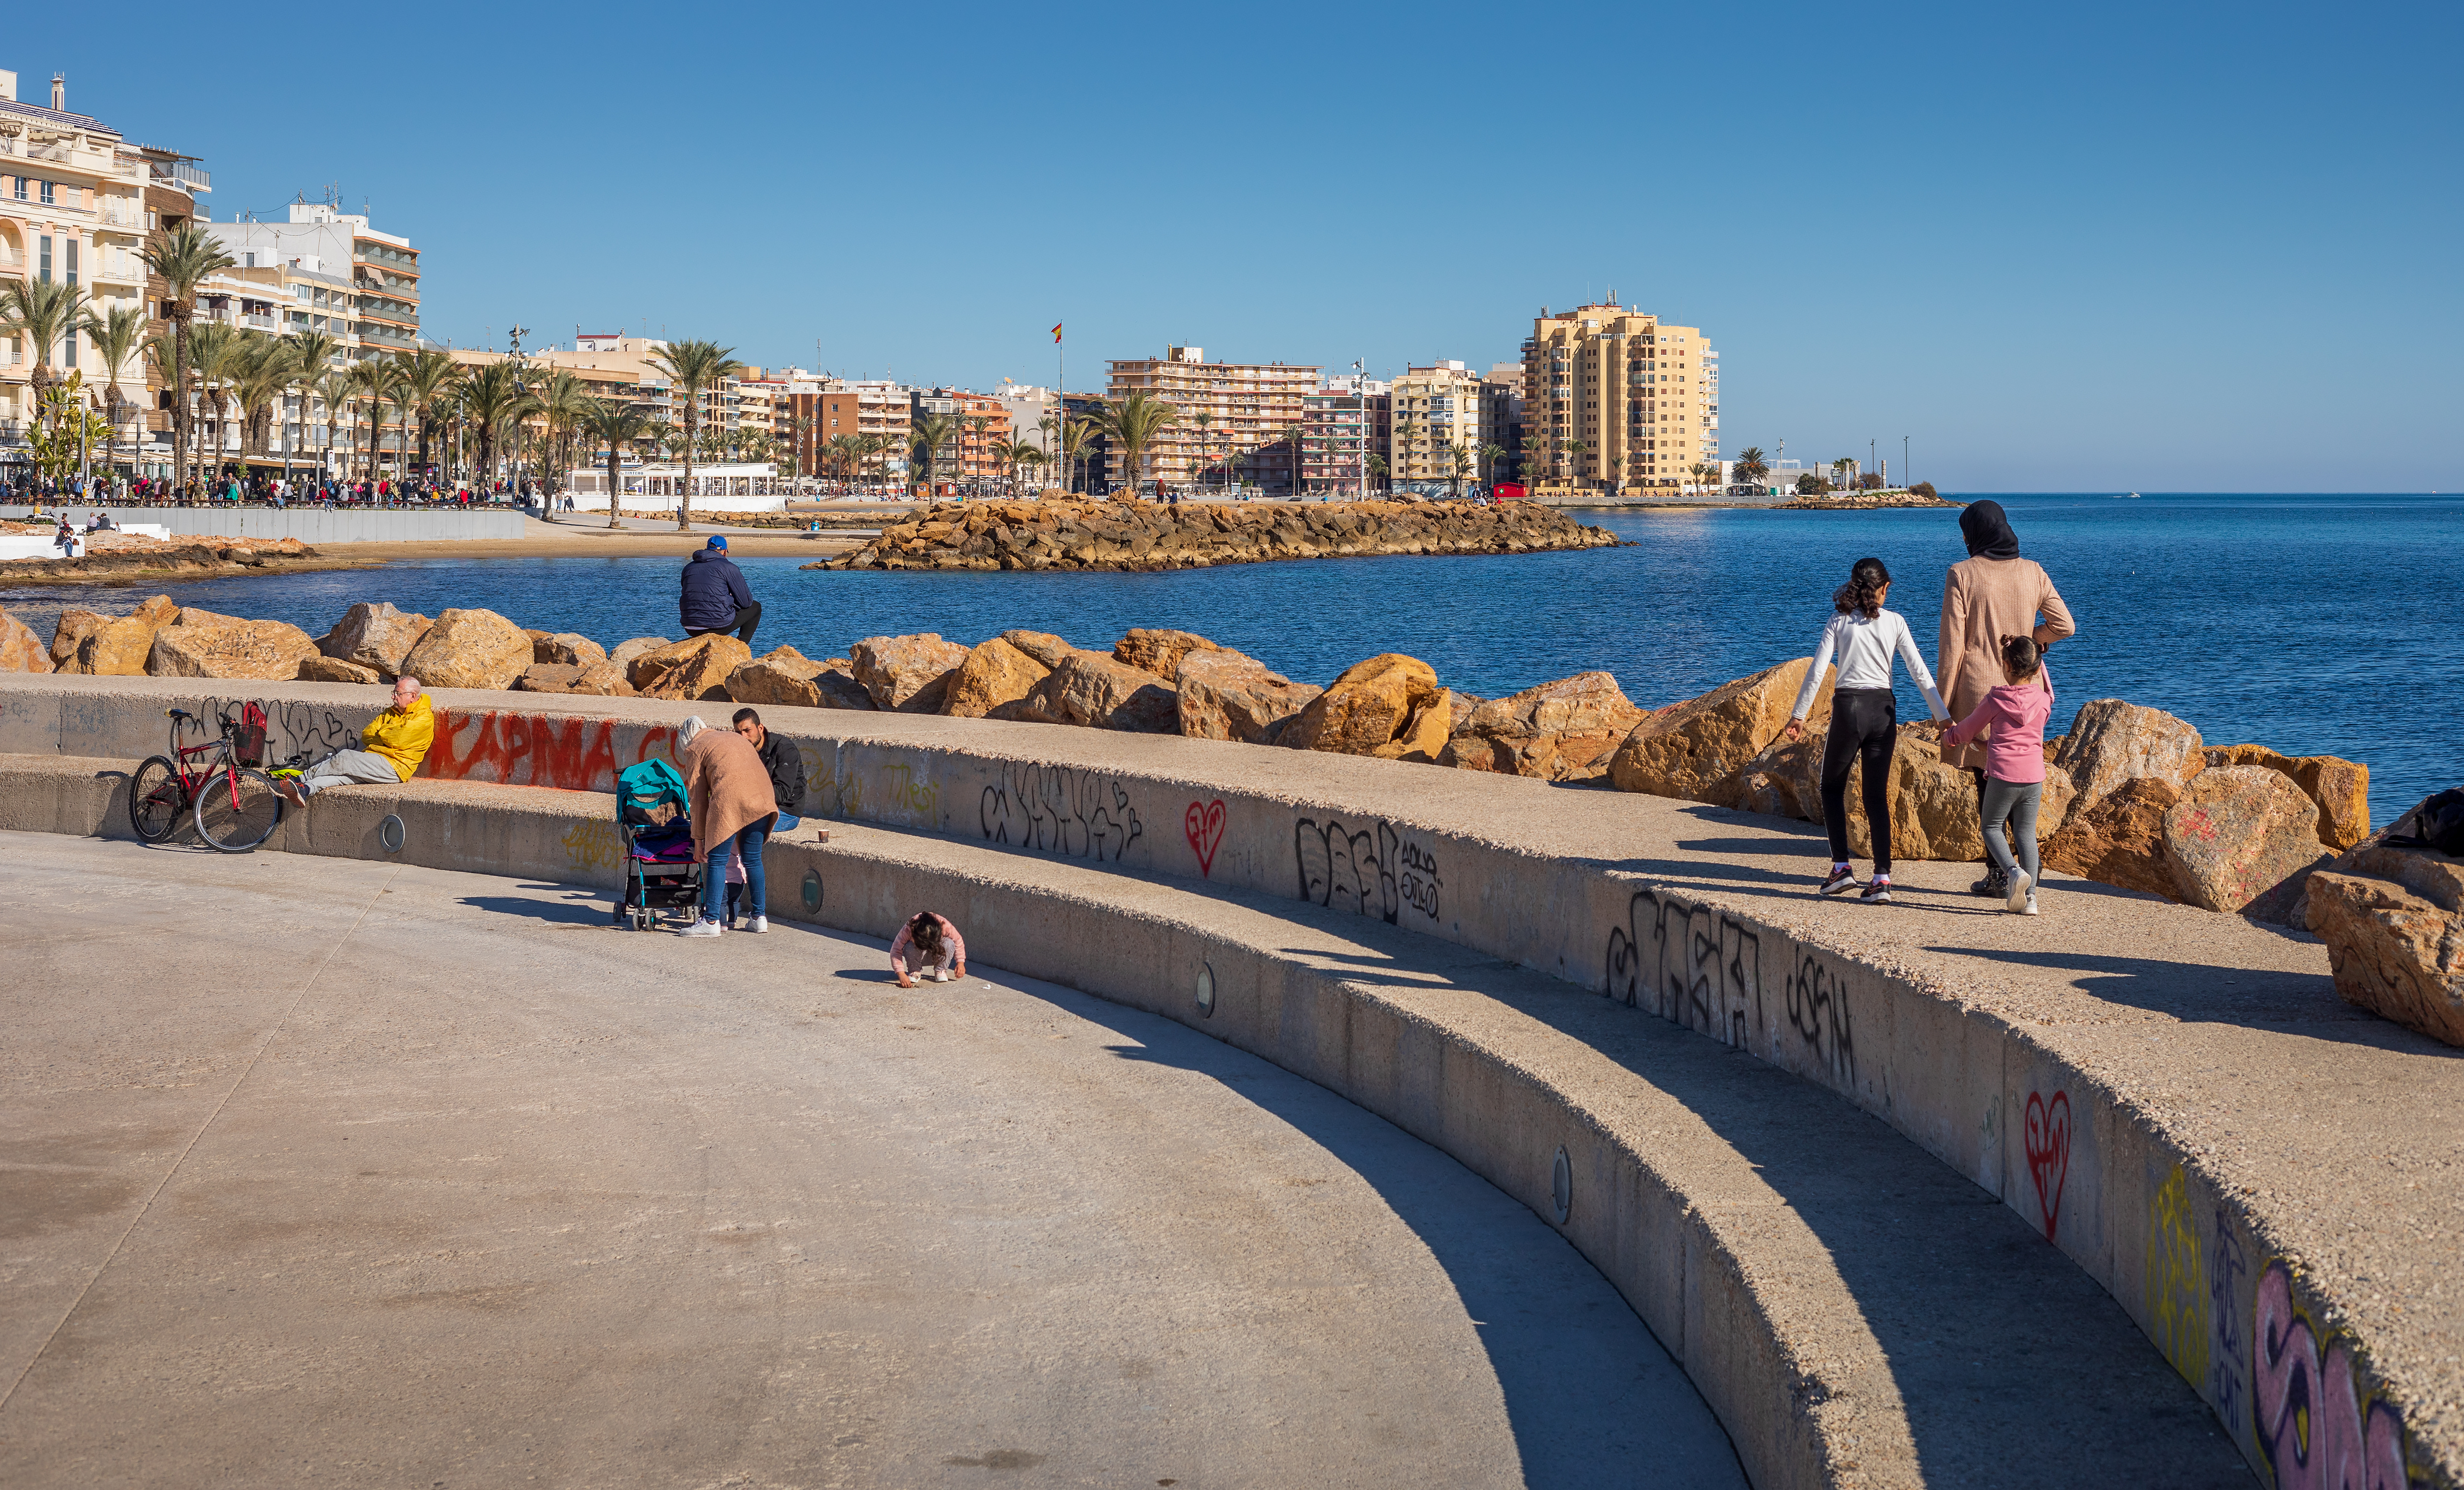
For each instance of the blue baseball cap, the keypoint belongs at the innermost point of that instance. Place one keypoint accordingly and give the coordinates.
(717, 541)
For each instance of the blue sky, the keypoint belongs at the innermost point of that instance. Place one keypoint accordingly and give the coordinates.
(2077, 248)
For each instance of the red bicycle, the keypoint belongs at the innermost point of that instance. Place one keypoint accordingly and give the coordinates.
(233, 803)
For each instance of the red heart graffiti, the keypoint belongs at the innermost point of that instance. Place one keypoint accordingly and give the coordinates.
(1203, 822)
(2048, 1138)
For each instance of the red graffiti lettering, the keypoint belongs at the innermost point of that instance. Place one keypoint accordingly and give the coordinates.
(533, 750)
(2048, 1138)
(1203, 825)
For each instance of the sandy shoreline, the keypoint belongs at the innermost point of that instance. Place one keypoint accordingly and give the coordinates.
(544, 541)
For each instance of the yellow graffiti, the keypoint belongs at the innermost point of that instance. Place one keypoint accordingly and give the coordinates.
(2177, 1285)
(593, 844)
(908, 798)
(840, 792)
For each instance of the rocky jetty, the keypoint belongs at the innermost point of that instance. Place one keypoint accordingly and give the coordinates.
(1146, 535)
(1866, 502)
(2392, 916)
(120, 557)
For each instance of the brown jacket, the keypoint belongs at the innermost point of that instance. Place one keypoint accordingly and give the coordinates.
(1983, 601)
(728, 786)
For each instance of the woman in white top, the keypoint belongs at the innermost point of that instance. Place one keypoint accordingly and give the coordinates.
(1864, 716)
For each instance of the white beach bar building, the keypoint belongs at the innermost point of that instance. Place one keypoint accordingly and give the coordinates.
(720, 486)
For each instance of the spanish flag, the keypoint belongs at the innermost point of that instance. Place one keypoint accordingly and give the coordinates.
(1056, 333)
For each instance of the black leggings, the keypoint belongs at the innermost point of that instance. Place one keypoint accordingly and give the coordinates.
(1865, 725)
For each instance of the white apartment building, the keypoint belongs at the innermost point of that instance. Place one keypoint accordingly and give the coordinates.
(377, 307)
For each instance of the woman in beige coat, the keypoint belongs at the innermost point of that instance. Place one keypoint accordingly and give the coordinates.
(1992, 594)
(732, 808)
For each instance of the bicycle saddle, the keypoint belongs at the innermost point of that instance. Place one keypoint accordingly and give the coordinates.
(177, 714)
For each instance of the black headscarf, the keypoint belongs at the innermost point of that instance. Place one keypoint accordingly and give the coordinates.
(1988, 531)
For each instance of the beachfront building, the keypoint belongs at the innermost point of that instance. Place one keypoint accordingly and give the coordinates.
(1446, 415)
(1615, 400)
(1502, 386)
(972, 456)
(379, 309)
(72, 211)
(1243, 417)
(1343, 425)
(1035, 417)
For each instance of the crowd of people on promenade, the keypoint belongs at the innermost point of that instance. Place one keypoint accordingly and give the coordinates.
(267, 489)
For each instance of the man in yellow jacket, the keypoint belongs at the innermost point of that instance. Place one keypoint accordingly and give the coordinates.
(390, 748)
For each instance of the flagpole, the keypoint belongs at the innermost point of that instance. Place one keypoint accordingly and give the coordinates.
(1061, 396)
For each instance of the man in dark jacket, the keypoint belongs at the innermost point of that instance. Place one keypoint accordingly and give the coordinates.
(784, 763)
(715, 597)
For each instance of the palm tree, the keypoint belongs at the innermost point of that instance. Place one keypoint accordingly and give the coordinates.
(1703, 473)
(216, 357)
(425, 382)
(1203, 418)
(1134, 419)
(264, 372)
(1461, 459)
(1840, 470)
(1377, 469)
(929, 434)
(562, 401)
(313, 352)
(1575, 450)
(44, 313)
(1076, 434)
(117, 336)
(491, 398)
(185, 257)
(334, 389)
(692, 368)
(615, 425)
(1488, 458)
(1751, 467)
(977, 425)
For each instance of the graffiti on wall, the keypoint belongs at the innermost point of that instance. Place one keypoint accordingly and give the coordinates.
(593, 845)
(291, 729)
(2046, 1138)
(1688, 963)
(2225, 1267)
(2177, 1284)
(1819, 1016)
(1202, 825)
(1366, 868)
(898, 792)
(570, 754)
(1061, 810)
(2316, 1428)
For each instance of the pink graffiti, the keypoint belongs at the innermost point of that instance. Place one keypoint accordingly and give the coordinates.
(1203, 826)
(2311, 1424)
(533, 750)
(2048, 1138)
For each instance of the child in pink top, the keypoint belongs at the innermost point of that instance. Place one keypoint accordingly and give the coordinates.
(928, 945)
(2014, 764)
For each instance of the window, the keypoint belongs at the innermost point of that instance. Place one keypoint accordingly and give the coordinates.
(72, 267)
(43, 261)
(49, 187)
(68, 342)
(247, 261)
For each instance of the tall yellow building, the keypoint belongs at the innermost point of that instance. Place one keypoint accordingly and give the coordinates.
(1616, 400)
(1439, 410)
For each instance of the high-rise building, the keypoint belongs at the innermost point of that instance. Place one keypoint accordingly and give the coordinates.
(980, 426)
(1503, 387)
(1243, 416)
(1344, 424)
(1447, 417)
(379, 311)
(73, 211)
(1616, 400)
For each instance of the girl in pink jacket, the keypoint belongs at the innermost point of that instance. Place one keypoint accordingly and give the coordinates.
(2014, 764)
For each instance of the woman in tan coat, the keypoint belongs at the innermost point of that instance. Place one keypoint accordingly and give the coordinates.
(732, 808)
(1992, 594)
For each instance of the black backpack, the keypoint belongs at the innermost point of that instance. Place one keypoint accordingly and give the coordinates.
(2436, 824)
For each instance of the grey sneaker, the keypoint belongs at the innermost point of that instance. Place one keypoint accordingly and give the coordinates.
(698, 928)
(2029, 908)
(1841, 880)
(2023, 892)
(758, 924)
(1876, 892)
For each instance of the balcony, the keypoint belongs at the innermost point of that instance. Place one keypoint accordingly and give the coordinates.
(181, 176)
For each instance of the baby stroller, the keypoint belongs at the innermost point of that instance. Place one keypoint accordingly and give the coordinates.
(652, 817)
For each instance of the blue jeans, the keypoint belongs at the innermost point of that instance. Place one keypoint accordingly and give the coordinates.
(713, 873)
(786, 820)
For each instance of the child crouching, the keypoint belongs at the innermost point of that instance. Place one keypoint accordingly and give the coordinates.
(2015, 765)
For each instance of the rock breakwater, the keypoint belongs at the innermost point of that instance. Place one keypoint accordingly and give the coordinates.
(1122, 535)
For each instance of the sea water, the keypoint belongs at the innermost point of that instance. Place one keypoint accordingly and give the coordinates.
(2316, 625)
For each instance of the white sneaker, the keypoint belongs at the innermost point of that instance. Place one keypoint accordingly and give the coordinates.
(758, 924)
(939, 976)
(2029, 908)
(2023, 893)
(698, 928)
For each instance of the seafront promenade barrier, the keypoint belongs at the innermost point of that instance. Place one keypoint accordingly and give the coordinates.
(2259, 1176)
(308, 524)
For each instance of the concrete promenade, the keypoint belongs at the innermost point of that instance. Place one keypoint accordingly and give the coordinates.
(324, 1173)
(2175, 1102)
(308, 524)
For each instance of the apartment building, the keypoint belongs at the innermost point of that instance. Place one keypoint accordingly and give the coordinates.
(972, 456)
(1029, 408)
(1444, 411)
(1344, 424)
(1242, 415)
(1503, 387)
(380, 312)
(1615, 400)
(876, 407)
(72, 211)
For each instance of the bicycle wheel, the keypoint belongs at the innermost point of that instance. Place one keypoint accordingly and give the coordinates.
(237, 809)
(155, 799)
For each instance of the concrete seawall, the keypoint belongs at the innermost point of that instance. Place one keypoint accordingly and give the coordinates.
(309, 526)
(2174, 1100)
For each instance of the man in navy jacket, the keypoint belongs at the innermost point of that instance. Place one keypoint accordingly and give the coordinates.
(716, 598)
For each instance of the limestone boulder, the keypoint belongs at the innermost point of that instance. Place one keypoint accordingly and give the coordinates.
(468, 649)
(2112, 741)
(73, 628)
(198, 615)
(2242, 838)
(21, 649)
(1089, 689)
(1366, 708)
(2394, 950)
(993, 674)
(118, 648)
(626, 651)
(2341, 787)
(696, 667)
(1701, 749)
(782, 677)
(1423, 737)
(1227, 695)
(569, 648)
(1160, 651)
(908, 674)
(243, 649)
(2120, 841)
(838, 687)
(321, 669)
(161, 612)
(599, 679)
(1043, 646)
(1559, 731)
(1933, 803)
(376, 634)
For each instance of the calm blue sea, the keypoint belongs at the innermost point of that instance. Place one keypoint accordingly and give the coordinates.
(2312, 624)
